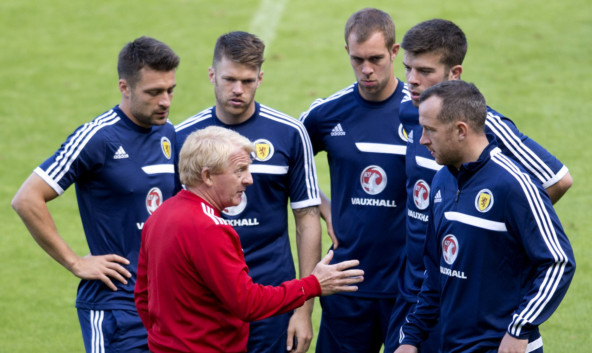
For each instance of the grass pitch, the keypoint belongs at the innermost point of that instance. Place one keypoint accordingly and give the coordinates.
(532, 60)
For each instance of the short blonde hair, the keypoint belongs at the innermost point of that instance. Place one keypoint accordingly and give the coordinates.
(210, 147)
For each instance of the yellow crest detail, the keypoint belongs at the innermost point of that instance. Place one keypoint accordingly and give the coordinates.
(262, 150)
(484, 200)
(165, 144)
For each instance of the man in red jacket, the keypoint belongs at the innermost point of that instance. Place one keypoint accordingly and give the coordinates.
(193, 291)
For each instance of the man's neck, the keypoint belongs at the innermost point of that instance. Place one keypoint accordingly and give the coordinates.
(232, 119)
(383, 95)
(475, 148)
(125, 109)
(202, 191)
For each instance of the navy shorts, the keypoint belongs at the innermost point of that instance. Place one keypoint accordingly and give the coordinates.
(269, 335)
(111, 331)
(535, 346)
(400, 311)
(353, 324)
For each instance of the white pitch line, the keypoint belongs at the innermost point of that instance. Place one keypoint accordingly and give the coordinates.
(266, 18)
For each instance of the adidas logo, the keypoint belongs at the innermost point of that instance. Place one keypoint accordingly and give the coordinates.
(438, 197)
(120, 153)
(337, 131)
(410, 137)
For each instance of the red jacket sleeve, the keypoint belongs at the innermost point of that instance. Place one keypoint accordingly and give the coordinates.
(219, 261)
(141, 289)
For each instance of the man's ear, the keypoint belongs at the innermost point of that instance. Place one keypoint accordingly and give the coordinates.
(461, 129)
(124, 87)
(211, 74)
(454, 73)
(207, 176)
(259, 78)
(395, 50)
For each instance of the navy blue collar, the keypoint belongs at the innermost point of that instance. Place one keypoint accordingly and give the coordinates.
(470, 168)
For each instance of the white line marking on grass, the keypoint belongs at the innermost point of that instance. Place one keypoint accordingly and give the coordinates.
(266, 18)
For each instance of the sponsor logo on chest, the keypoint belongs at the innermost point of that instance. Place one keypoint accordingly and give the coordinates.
(153, 199)
(421, 194)
(236, 210)
(450, 250)
(373, 181)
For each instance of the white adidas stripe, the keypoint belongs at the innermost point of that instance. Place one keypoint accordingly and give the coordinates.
(205, 114)
(555, 272)
(62, 164)
(381, 148)
(268, 169)
(525, 155)
(309, 163)
(534, 345)
(427, 163)
(476, 221)
(159, 169)
(209, 211)
(320, 101)
(97, 339)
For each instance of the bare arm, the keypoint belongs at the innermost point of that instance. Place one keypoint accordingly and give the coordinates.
(406, 348)
(325, 208)
(30, 202)
(308, 242)
(557, 190)
(511, 344)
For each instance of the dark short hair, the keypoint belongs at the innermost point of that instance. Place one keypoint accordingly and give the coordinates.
(367, 21)
(460, 101)
(439, 36)
(145, 52)
(240, 47)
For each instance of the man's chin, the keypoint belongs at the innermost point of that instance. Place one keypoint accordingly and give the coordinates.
(160, 121)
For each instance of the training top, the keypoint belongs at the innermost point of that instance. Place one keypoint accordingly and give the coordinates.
(194, 293)
(122, 173)
(420, 167)
(366, 153)
(497, 259)
(282, 168)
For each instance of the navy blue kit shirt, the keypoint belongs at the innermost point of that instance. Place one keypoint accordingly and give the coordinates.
(283, 169)
(366, 155)
(122, 173)
(497, 259)
(421, 167)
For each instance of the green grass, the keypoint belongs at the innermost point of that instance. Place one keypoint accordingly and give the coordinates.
(531, 59)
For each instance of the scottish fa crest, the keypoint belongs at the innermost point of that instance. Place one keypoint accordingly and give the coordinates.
(403, 133)
(165, 144)
(263, 150)
(484, 200)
